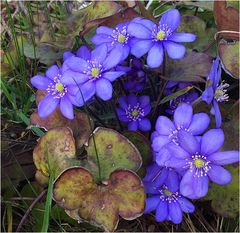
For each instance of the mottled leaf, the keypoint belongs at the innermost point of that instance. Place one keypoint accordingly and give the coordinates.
(123, 194)
(229, 55)
(208, 5)
(192, 68)
(55, 151)
(114, 151)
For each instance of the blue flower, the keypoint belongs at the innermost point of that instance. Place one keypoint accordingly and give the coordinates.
(136, 77)
(134, 110)
(167, 132)
(94, 72)
(214, 92)
(115, 38)
(168, 204)
(201, 160)
(59, 93)
(153, 39)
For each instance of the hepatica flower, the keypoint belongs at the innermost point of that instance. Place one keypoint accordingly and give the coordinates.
(168, 204)
(201, 160)
(133, 110)
(115, 38)
(92, 72)
(58, 93)
(151, 38)
(167, 131)
(215, 93)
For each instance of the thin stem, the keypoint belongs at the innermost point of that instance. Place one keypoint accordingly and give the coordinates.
(197, 101)
(115, 112)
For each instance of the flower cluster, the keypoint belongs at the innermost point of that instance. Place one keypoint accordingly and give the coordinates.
(185, 159)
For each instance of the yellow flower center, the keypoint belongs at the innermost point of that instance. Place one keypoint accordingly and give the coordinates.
(95, 72)
(59, 87)
(167, 192)
(199, 163)
(121, 38)
(160, 35)
(135, 113)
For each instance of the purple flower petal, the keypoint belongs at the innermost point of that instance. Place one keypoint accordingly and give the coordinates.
(152, 171)
(99, 53)
(186, 205)
(66, 108)
(182, 37)
(144, 101)
(225, 157)
(208, 95)
(113, 59)
(160, 141)
(219, 175)
(122, 115)
(188, 142)
(161, 177)
(133, 125)
(76, 64)
(150, 188)
(47, 105)
(112, 75)
(171, 18)
(104, 30)
(217, 113)
(123, 102)
(199, 124)
(147, 110)
(161, 211)
(125, 51)
(104, 89)
(212, 141)
(151, 204)
(147, 23)
(172, 181)
(175, 212)
(87, 90)
(132, 99)
(155, 56)
(186, 184)
(164, 126)
(141, 47)
(53, 71)
(175, 163)
(139, 31)
(84, 53)
(200, 186)
(70, 77)
(40, 82)
(73, 100)
(177, 151)
(162, 157)
(101, 39)
(67, 55)
(183, 115)
(174, 50)
(144, 124)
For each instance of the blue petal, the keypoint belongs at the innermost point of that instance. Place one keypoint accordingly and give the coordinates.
(164, 126)
(67, 55)
(183, 115)
(152, 170)
(188, 142)
(200, 186)
(147, 23)
(122, 115)
(40, 82)
(175, 212)
(225, 157)
(163, 156)
(99, 53)
(199, 124)
(177, 151)
(219, 175)
(160, 141)
(172, 181)
(66, 108)
(47, 106)
(139, 31)
(174, 50)
(182, 37)
(104, 30)
(186, 185)
(155, 56)
(112, 75)
(84, 53)
(141, 47)
(162, 211)
(133, 126)
(113, 59)
(161, 177)
(171, 18)
(150, 188)
(186, 205)
(144, 101)
(212, 141)
(144, 124)
(176, 163)
(70, 77)
(53, 71)
(208, 95)
(101, 39)
(87, 90)
(76, 64)
(73, 99)
(132, 100)
(104, 89)
(123, 102)
(217, 113)
(151, 203)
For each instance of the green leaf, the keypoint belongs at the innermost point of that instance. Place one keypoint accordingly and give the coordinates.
(122, 194)
(113, 150)
(234, 4)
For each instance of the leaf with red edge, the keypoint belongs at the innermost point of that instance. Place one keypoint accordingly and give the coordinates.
(100, 204)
